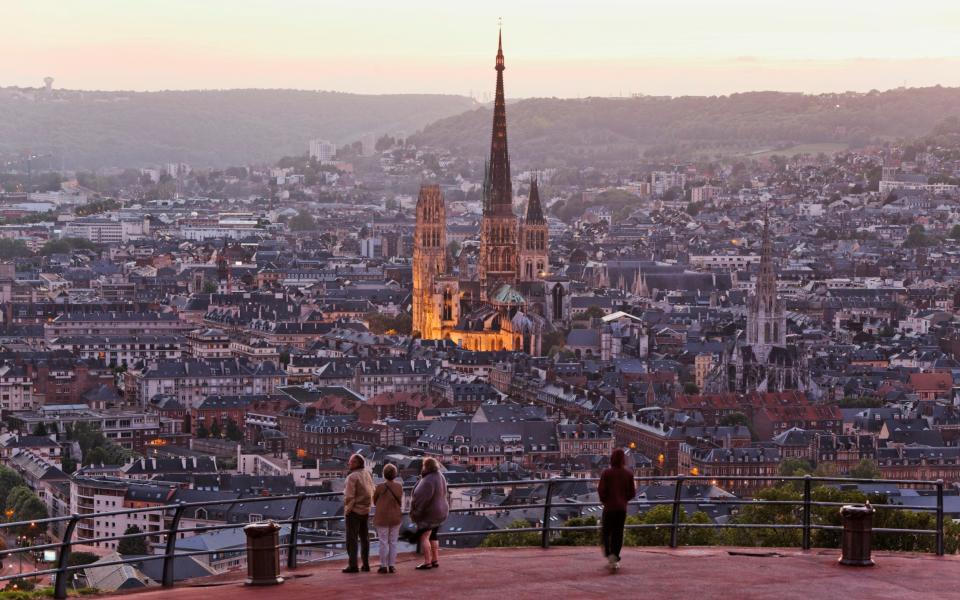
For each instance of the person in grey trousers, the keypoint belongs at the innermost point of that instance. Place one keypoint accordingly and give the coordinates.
(387, 516)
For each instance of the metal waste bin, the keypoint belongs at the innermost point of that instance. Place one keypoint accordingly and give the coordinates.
(857, 522)
(263, 553)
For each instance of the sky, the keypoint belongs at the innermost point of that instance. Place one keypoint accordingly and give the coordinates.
(556, 48)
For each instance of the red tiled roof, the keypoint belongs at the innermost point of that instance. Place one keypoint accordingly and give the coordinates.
(931, 382)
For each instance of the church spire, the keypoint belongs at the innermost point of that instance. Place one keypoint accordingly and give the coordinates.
(766, 278)
(500, 194)
(534, 210)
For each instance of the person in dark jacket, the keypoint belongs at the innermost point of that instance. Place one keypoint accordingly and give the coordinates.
(428, 509)
(616, 489)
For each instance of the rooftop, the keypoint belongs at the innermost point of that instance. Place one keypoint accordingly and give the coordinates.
(578, 572)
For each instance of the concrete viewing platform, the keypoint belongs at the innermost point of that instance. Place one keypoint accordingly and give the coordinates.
(579, 572)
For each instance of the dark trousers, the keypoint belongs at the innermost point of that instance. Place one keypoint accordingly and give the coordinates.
(357, 530)
(611, 531)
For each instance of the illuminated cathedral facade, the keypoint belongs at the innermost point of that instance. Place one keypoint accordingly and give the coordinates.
(511, 299)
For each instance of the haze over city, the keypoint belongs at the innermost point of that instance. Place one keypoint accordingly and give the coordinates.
(281, 306)
(564, 49)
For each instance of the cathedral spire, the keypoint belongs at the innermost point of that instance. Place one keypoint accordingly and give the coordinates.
(534, 210)
(500, 194)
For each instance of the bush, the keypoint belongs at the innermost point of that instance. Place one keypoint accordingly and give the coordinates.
(662, 517)
(579, 538)
(506, 540)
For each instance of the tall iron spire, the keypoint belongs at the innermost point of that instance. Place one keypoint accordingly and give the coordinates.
(500, 200)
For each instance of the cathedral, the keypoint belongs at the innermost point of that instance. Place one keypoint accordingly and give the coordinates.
(760, 360)
(511, 299)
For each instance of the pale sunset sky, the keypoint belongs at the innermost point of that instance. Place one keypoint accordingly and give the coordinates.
(553, 48)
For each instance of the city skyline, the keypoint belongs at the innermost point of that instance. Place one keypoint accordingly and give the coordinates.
(691, 47)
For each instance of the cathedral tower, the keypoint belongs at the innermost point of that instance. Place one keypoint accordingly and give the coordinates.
(534, 253)
(429, 260)
(498, 261)
(766, 316)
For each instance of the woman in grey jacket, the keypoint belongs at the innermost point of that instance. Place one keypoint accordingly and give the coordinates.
(429, 509)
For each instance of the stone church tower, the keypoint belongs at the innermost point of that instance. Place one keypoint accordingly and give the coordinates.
(498, 261)
(766, 314)
(534, 254)
(429, 259)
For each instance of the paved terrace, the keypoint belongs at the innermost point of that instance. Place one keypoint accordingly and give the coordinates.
(579, 572)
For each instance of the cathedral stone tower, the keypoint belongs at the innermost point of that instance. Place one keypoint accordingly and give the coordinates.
(766, 315)
(498, 261)
(534, 255)
(429, 259)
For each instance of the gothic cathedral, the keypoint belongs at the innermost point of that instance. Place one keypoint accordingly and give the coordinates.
(512, 299)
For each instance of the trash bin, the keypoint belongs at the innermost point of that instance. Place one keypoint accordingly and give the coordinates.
(857, 522)
(263, 553)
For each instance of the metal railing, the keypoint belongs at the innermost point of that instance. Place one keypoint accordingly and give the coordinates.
(176, 512)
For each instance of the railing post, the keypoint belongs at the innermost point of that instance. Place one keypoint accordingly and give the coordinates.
(294, 527)
(939, 517)
(675, 526)
(547, 511)
(806, 512)
(168, 557)
(60, 586)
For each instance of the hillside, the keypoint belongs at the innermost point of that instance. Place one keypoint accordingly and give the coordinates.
(203, 128)
(548, 132)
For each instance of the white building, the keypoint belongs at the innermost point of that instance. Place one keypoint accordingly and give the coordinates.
(107, 231)
(661, 181)
(322, 150)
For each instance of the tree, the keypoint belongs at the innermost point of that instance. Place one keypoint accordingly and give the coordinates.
(739, 418)
(795, 467)
(40, 429)
(215, 431)
(520, 538)
(303, 222)
(594, 312)
(866, 469)
(690, 388)
(95, 448)
(917, 238)
(13, 249)
(955, 232)
(201, 432)
(17, 497)
(660, 536)
(132, 546)
(66, 246)
(77, 559)
(28, 507)
(579, 538)
(553, 341)
(776, 514)
(9, 479)
(233, 432)
(379, 323)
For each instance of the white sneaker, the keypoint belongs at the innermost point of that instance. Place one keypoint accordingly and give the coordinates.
(612, 563)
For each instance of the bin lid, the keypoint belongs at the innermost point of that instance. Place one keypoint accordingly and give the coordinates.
(853, 510)
(261, 528)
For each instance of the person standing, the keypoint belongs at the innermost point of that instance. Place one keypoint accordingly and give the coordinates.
(387, 516)
(616, 489)
(429, 509)
(357, 498)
